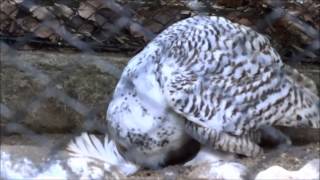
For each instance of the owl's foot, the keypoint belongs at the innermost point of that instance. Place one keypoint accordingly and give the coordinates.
(213, 164)
(209, 155)
(223, 141)
(270, 136)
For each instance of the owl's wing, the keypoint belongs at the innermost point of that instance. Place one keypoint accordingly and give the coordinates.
(221, 75)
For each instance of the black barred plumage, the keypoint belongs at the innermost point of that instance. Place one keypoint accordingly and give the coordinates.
(245, 145)
(223, 79)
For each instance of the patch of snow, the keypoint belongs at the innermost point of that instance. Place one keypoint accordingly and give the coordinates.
(18, 170)
(55, 171)
(25, 169)
(309, 171)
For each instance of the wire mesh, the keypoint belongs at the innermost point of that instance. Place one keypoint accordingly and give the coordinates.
(91, 27)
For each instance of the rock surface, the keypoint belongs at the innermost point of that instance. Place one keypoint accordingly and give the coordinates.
(50, 92)
(46, 98)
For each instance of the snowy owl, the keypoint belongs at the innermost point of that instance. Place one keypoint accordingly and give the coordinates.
(204, 80)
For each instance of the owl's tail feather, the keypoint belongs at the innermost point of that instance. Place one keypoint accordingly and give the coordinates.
(300, 79)
(308, 113)
(304, 99)
(223, 141)
(90, 147)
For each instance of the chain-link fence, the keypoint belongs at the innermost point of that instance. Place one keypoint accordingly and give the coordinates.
(60, 60)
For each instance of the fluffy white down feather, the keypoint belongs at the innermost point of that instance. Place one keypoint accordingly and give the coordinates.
(89, 146)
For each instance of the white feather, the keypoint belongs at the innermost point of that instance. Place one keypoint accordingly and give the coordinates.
(89, 146)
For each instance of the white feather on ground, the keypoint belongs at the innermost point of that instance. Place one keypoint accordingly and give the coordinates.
(89, 146)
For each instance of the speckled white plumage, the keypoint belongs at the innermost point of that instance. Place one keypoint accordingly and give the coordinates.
(216, 74)
(208, 79)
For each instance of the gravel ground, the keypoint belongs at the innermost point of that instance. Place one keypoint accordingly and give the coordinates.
(19, 147)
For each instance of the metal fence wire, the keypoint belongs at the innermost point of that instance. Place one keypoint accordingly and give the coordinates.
(92, 27)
